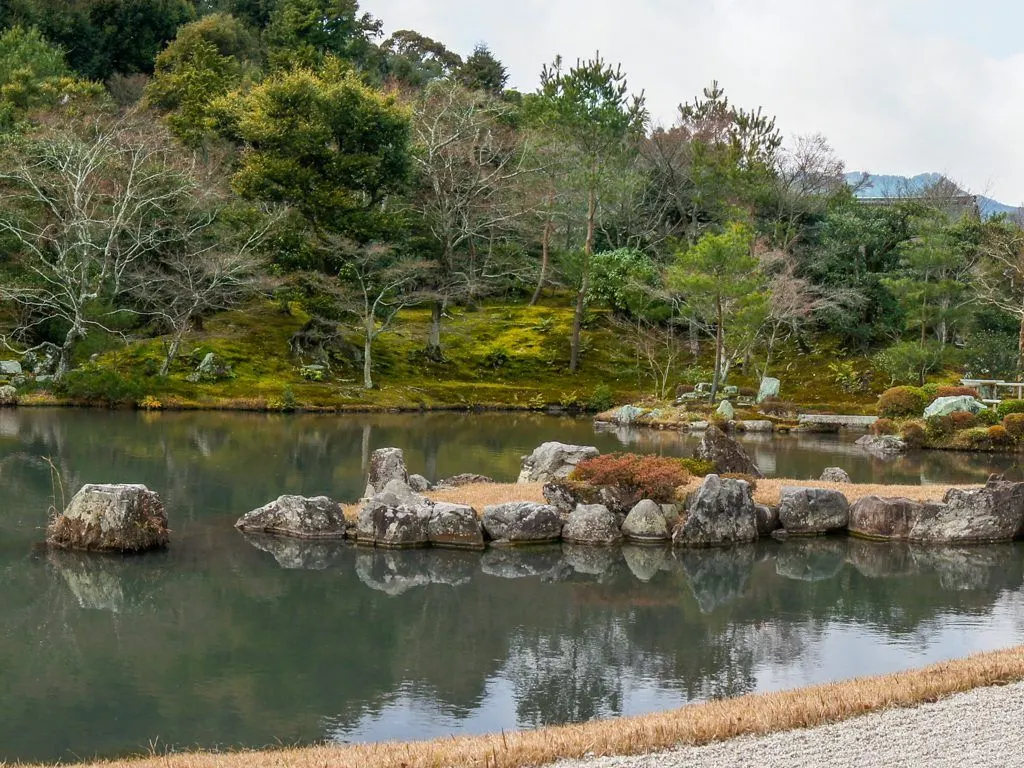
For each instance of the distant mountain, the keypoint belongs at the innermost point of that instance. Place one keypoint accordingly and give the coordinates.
(882, 185)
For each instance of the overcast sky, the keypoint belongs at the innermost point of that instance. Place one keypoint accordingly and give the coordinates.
(897, 86)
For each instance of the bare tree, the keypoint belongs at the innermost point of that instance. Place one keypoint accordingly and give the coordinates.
(807, 177)
(468, 160)
(998, 276)
(85, 200)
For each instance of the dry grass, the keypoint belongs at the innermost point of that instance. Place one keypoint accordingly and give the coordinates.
(769, 490)
(694, 724)
(480, 495)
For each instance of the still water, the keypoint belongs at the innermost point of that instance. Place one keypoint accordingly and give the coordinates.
(225, 640)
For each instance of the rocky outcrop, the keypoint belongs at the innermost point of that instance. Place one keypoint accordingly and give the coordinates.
(554, 461)
(719, 513)
(115, 518)
(592, 524)
(812, 511)
(882, 445)
(965, 516)
(834, 475)
(646, 523)
(457, 481)
(455, 526)
(522, 522)
(298, 516)
(726, 455)
(386, 464)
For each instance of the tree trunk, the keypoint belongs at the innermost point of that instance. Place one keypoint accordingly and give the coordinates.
(545, 251)
(719, 338)
(581, 296)
(434, 339)
(368, 353)
(694, 337)
(64, 363)
(1020, 347)
(172, 352)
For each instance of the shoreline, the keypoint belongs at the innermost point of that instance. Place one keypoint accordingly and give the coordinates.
(691, 725)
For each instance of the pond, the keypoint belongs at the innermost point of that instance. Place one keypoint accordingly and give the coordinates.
(226, 641)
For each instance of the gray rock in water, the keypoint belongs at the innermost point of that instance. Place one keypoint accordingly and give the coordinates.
(891, 518)
(592, 524)
(769, 388)
(305, 518)
(395, 518)
(646, 523)
(720, 512)
(882, 445)
(812, 511)
(553, 461)
(457, 481)
(727, 455)
(627, 414)
(116, 518)
(8, 396)
(759, 426)
(522, 522)
(386, 464)
(725, 411)
(419, 483)
(455, 526)
(834, 475)
(698, 426)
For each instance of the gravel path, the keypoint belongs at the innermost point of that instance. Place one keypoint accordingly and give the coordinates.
(983, 728)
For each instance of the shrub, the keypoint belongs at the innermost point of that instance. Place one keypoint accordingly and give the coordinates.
(100, 385)
(990, 355)
(963, 420)
(652, 477)
(749, 479)
(988, 417)
(150, 403)
(1000, 437)
(1009, 406)
(883, 427)
(1013, 423)
(684, 389)
(977, 439)
(901, 403)
(601, 399)
(698, 467)
(747, 392)
(931, 391)
(909, 361)
(951, 391)
(940, 428)
(778, 408)
(913, 434)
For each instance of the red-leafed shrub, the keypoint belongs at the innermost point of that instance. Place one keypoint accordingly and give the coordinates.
(884, 427)
(913, 434)
(1013, 423)
(963, 420)
(952, 391)
(653, 477)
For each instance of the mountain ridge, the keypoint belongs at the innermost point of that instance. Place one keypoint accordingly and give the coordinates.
(892, 185)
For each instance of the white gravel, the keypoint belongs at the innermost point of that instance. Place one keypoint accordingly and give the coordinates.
(979, 729)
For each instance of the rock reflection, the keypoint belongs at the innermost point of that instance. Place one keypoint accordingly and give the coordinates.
(811, 559)
(717, 576)
(101, 582)
(592, 561)
(968, 568)
(298, 554)
(521, 562)
(645, 562)
(392, 572)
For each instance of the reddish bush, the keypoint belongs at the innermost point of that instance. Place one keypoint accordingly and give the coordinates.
(963, 420)
(901, 403)
(684, 389)
(951, 391)
(1000, 437)
(747, 392)
(653, 477)
(913, 434)
(884, 427)
(1013, 423)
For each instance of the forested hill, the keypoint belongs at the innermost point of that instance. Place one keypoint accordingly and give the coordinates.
(886, 185)
(271, 196)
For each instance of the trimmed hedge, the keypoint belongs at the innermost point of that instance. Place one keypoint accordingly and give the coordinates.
(902, 403)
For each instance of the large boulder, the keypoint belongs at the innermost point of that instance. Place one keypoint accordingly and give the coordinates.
(592, 524)
(646, 523)
(760, 426)
(8, 396)
(720, 512)
(727, 455)
(455, 526)
(10, 368)
(944, 406)
(395, 518)
(304, 518)
(834, 475)
(115, 518)
(725, 411)
(522, 522)
(812, 511)
(769, 388)
(883, 446)
(554, 461)
(979, 515)
(386, 464)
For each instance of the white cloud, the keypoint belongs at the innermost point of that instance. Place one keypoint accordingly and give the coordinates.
(893, 94)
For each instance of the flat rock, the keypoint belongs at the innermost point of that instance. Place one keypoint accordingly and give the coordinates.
(592, 524)
(812, 511)
(115, 518)
(553, 461)
(522, 522)
(298, 516)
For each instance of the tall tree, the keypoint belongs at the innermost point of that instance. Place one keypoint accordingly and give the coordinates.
(718, 277)
(590, 109)
(483, 72)
(306, 32)
(413, 60)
